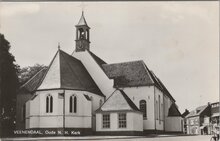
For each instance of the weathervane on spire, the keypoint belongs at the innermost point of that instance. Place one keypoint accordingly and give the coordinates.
(82, 5)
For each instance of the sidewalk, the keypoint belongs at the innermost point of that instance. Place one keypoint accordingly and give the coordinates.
(91, 137)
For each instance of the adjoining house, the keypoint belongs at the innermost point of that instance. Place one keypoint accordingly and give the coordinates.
(81, 92)
(198, 120)
(215, 115)
(186, 112)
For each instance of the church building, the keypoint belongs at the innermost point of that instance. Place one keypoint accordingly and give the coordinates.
(82, 92)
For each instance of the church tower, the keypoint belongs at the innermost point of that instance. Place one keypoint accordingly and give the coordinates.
(82, 35)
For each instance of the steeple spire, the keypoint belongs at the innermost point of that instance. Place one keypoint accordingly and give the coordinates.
(82, 20)
(82, 34)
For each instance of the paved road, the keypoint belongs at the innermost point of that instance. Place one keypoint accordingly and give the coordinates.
(121, 138)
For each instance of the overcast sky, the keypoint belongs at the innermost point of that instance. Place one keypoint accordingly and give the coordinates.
(179, 41)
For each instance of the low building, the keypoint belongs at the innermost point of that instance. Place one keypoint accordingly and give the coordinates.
(184, 121)
(119, 115)
(214, 115)
(198, 120)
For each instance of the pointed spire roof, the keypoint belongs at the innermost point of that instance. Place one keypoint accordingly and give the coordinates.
(82, 20)
(118, 101)
(67, 72)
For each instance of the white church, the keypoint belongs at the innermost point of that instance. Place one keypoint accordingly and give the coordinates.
(81, 92)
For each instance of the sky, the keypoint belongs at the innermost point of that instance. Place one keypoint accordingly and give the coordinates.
(179, 41)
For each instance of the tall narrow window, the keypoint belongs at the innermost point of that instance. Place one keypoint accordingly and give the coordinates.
(73, 104)
(162, 116)
(156, 109)
(143, 108)
(159, 108)
(49, 104)
(122, 120)
(106, 121)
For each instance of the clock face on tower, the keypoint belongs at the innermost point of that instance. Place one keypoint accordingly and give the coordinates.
(80, 45)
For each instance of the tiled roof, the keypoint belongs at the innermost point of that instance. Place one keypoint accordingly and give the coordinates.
(197, 111)
(98, 60)
(131, 74)
(118, 101)
(173, 111)
(185, 113)
(128, 74)
(67, 72)
(33, 83)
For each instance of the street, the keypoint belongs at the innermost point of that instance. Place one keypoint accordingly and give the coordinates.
(120, 138)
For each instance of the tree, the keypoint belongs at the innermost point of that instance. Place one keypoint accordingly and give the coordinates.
(8, 87)
(27, 72)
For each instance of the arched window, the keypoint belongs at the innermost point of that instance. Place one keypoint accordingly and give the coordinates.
(49, 104)
(73, 104)
(143, 107)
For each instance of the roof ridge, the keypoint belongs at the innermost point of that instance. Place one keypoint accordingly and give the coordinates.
(147, 70)
(106, 100)
(93, 54)
(129, 101)
(124, 62)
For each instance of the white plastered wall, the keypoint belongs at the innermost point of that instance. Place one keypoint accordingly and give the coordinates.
(38, 118)
(134, 122)
(146, 93)
(174, 124)
(159, 114)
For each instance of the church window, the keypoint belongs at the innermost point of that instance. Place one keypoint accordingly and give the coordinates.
(156, 109)
(159, 108)
(162, 112)
(143, 108)
(73, 104)
(49, 104)
(106, 121)
(122, 120)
